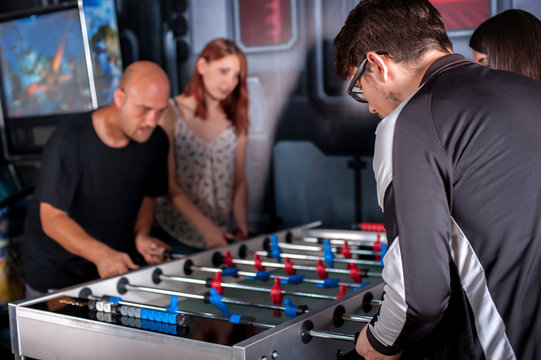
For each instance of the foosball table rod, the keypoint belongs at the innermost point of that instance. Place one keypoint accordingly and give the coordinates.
(109, 304)
(214, 298)
(264, 276)
(217, 284)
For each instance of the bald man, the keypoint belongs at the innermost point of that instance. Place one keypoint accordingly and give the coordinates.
(95, 197)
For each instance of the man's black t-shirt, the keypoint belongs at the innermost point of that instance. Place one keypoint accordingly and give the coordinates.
(100, 187)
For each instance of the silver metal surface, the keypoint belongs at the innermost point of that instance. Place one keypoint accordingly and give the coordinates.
(346, 235)
(286, 338)
(245, 287)
(321, 249)
(331, 335)
(295, 266)
(314, 258)
(283, 277)
(358, 318)
(44, 334)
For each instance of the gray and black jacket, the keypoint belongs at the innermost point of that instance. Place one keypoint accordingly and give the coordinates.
(458, 169)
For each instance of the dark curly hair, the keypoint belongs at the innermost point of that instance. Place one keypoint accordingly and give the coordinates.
(404, 29)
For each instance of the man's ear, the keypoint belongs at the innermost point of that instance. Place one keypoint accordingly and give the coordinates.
(118, 97)
(379, 65)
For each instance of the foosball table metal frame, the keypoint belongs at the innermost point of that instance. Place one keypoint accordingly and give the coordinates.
(47, 335)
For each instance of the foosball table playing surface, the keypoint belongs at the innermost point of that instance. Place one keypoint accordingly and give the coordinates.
(302, 293)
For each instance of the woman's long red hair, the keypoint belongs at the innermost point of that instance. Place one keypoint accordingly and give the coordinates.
(235, 105)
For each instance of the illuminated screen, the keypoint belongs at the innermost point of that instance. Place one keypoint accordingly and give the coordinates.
(265, 24)
(43, 67)
(102, 29)
(462, 14)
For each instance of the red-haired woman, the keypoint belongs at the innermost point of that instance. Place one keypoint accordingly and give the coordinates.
(208, 131)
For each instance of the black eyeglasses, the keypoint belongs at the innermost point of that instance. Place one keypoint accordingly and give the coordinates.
(354, 91)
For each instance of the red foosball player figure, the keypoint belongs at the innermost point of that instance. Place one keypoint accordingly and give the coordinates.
(217, 283)
(321, 270)
(228, 259)
(276, 292)
(276, 296)
(288, 267)
(258, 263)
(342, 291)
(355, 273)
(346, 251)
(377, 247)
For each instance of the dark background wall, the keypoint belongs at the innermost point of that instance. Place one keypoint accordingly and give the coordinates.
(310, 146)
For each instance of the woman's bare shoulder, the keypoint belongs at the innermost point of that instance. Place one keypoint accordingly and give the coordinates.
(168, 119)
(186, 105)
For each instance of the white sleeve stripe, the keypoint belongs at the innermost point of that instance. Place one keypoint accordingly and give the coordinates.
(383, 151)
(488, 322)
(392, 315)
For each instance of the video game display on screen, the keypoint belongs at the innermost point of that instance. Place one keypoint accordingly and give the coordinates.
(102, 30)
(43, 65)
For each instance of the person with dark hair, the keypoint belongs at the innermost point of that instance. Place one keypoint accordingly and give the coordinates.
(208, 131)
(94, 202)
(457, 170)
(509, 41)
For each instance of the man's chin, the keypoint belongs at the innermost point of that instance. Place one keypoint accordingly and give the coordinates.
(142, 136)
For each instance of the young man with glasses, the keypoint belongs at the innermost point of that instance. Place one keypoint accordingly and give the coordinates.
(458, 179)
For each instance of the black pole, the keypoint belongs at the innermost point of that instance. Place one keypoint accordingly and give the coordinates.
(357, 165)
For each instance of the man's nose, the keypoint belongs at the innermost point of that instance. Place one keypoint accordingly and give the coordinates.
(152, 118)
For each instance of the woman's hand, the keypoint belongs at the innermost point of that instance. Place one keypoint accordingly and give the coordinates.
(151, 248)
(243, 231)
(216, 237)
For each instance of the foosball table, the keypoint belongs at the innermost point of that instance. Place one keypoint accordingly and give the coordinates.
(302, 293)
